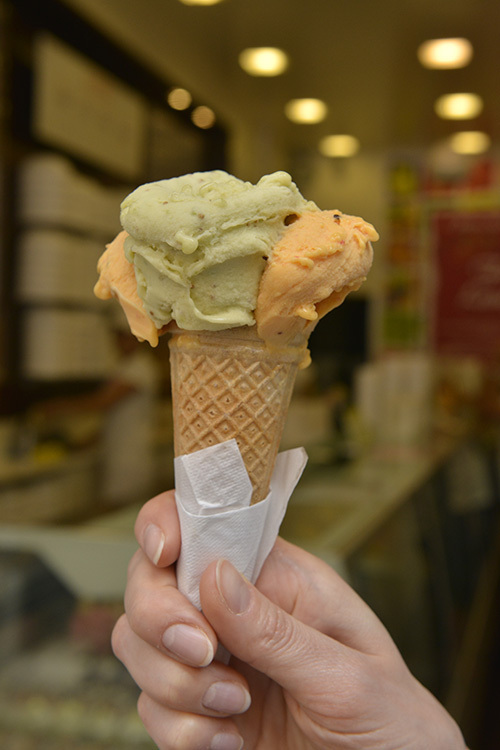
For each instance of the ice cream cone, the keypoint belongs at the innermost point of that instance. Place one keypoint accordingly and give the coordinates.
(228, 384)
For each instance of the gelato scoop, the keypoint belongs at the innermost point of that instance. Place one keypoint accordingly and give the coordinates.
(320, 258)
(199, 244)
(209, 252)
(117, 279)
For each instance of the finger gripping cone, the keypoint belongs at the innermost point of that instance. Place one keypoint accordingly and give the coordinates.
(229, 385)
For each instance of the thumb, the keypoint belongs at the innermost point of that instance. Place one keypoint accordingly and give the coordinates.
(302, 660)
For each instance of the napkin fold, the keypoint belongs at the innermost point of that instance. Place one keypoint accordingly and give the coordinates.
(213, 494)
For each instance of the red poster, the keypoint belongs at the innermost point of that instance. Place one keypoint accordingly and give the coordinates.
(467, 302)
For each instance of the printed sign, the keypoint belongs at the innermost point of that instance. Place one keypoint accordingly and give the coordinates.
(467, 300)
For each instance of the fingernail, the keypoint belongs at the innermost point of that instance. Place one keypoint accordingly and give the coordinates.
(227, 697)
(188, 644)
(232, 587)
(226, 741)
(153, 542)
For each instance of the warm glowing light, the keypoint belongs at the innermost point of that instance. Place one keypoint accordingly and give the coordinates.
(470, 142)
(263, 61)
(339, 145)
(203, 117)
(308, 111)
(179, 98)
(458, 106)
(200, 2)
(445, 53)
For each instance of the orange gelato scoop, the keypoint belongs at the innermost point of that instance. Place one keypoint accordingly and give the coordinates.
(117, 279)
(320, 258)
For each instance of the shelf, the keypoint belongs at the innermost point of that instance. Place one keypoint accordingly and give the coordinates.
(27, 469)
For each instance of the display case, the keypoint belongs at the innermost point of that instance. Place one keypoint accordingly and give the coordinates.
(62, 590)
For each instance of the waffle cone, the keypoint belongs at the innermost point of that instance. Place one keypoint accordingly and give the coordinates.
(227, 385)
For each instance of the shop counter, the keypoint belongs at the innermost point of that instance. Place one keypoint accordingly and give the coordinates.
(334, 511)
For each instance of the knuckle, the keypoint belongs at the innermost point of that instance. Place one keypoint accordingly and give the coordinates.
(133, 563)
(185, 732)
(147, 713)
(144, 706)
(276, 631)
(168, 694)
(139, 607)
(118, 637)
(172, 730)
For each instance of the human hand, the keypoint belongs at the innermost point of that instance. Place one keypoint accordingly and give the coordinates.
(321, 670)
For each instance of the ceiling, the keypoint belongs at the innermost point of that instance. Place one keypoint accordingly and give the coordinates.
(357, 55)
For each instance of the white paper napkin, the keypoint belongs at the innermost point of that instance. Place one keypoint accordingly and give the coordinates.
(213, 493)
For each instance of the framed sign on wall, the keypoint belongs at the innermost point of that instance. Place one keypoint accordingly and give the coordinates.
(467, 290)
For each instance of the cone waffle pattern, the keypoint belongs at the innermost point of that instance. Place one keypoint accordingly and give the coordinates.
(223, 389)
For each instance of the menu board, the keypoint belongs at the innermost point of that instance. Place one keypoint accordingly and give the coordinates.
(467, 294)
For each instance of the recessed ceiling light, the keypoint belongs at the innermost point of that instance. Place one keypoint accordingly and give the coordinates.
(458, 106)
(203, 117)
(200, 2)
(263, 61)
(445, 53)
(179, 98)
(470, 142)
(304, 111)
(339, 145)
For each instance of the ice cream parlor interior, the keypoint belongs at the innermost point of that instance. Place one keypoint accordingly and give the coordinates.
(399, 411)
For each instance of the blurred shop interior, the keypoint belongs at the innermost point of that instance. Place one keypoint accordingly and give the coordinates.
(400, 410)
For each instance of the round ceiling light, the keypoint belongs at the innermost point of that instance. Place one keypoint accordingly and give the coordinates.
(339, 145)
(470, 142)
(458, 106)
(200, 2)
(179, 98)
(306, 111)
(203, 117)
(263, 61)
(445, 53)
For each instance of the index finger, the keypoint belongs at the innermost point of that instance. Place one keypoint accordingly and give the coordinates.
(157, 529)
